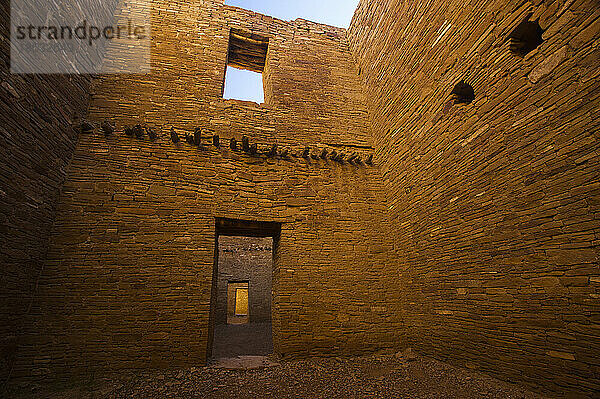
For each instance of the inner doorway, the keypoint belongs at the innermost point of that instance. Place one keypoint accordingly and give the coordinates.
(242, 289)
(237, 302)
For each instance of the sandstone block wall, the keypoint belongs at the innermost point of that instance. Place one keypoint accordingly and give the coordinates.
(246, 259)
(129, 270)
(474, 238)
(36, 145)
(494, 203)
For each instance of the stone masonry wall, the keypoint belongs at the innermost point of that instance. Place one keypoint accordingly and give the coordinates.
(495, 204)
(129, 271)
(36, 145)
(246, 259)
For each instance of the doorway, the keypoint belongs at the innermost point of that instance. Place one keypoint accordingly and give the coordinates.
(237, 302)
(242, 290)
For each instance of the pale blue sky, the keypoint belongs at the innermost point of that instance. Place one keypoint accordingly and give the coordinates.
(330, 12)
(246, 85)
(243, 85)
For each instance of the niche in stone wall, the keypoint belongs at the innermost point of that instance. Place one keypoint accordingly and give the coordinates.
(246, 62)
(462, 93)
(525, 38)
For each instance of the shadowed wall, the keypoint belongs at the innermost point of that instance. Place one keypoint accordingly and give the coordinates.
(37, 142)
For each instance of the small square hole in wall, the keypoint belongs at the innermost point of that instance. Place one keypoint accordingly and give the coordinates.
(246, 59)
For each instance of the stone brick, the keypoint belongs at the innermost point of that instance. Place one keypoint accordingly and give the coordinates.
(496, 184)
(152, 278)
(37, 141)
(477, 226)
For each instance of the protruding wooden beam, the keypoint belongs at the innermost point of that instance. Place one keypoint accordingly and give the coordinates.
(108, 128)
(138, 131)
(86, 127)
(198, 137)
(253, 149)
(174, 136)
(150, 132)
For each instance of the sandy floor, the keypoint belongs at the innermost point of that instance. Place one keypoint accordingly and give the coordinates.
(390, 376)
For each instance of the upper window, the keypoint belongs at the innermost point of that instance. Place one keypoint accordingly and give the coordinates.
(246, 59)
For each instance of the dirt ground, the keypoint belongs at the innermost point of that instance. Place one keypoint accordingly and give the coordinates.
(376, 376)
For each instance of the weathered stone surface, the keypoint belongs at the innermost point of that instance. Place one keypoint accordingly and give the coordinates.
(472, 237)
(498, 193)
(36, 144)
(139, 295)
(548, 65)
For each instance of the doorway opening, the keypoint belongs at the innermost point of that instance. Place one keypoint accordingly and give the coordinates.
(237, 303)
(242, 289)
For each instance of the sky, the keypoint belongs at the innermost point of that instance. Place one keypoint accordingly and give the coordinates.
(247, 85)
(243, 85)
(331, 12)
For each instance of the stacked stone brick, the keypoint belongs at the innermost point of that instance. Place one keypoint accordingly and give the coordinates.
(36, 145)
(127, 281)
(474, 238)
(494, 203)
